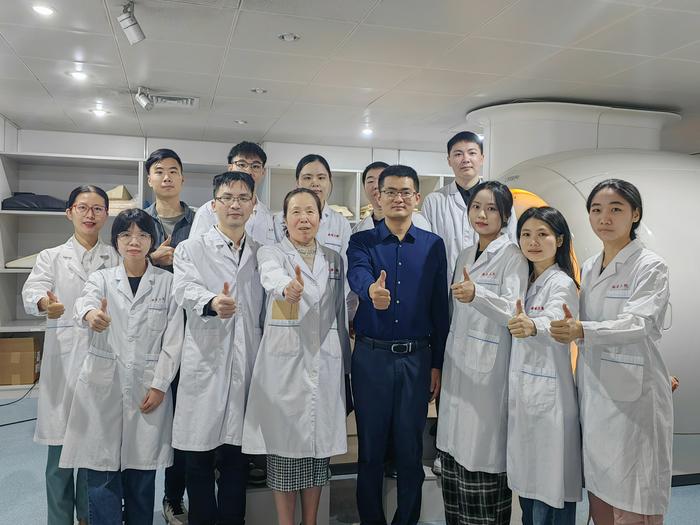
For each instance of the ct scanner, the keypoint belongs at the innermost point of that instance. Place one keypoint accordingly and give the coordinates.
(670, 188)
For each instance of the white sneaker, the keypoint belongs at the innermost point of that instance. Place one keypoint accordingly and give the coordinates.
(437, 466)
(175, 513)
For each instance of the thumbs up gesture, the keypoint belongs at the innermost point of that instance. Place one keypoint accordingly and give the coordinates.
(381, 297)
(98, 319)
(465, 290)
(223, 304)
(163, 255)
(521, 325)
(52, 306)
(567, 329)
(295, 289)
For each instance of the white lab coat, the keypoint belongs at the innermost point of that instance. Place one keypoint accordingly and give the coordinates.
(218, 354)
(473, 399)
(368, 223)
(624, 385)
(139, 350)
(296, 406)
(65, 342)
(544, 435)
(446, 212)
(259, 226)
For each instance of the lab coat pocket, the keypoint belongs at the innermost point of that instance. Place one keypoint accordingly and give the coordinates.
(283, 340)
(98, 369)
(149, 369)
(157, 318)
(481, 350)
(331, 348)
(65, 333)
(621, 376)
(538, 388)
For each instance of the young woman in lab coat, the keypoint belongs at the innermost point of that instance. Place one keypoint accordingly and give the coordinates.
(120, 421)
(623, 383)
(296, 407)
(51, 289)
(544, 436)
(489, 278)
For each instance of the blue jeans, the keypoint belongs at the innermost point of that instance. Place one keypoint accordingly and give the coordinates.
(107, 489)
(62, 492)
(538, 513)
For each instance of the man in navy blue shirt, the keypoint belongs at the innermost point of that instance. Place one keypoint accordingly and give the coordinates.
(399, 273)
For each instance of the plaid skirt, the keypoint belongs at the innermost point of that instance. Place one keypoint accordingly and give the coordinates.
(474, 497)
(292, 474)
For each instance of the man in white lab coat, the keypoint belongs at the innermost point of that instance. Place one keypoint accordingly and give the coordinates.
(218, 284)
(249, 158)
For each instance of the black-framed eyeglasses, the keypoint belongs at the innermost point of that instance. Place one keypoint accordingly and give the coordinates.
(255, 166)
(405, 194)
(227, 200)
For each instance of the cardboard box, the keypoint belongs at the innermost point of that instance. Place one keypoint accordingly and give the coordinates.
(20, 358)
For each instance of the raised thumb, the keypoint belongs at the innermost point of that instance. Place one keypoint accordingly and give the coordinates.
(465, 274)
(103, 305)
(382, 279)
(226, 289)
(166, 242)
(297, 274)
(567, 312)
(518, 307)
(52, 297)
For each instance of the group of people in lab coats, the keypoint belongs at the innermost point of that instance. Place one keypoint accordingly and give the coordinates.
(253, 311)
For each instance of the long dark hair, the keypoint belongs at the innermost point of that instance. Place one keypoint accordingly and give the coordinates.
(556, 221)
(627, 191)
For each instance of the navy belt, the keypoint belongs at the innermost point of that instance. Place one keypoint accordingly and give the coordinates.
(396, 347)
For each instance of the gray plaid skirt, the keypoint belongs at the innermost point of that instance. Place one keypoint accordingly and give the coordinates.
(292, 474)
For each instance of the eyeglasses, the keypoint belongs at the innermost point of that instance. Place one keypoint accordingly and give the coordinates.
(405, 194)
(140, 236)
(227, 200)
(83, 209)
(255, 166)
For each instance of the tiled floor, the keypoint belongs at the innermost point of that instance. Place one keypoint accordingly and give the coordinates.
(22, 498)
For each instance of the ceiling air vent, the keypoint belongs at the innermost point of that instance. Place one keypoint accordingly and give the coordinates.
(175, 102)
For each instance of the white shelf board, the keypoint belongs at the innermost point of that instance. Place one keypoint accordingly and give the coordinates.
(23, 325)
(32, 212)
(57, 159)
(15, 270)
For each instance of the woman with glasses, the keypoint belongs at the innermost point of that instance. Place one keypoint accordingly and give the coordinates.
(296, 406)
(51, 289)
(120, 421)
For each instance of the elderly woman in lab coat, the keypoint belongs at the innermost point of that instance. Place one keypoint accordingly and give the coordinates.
(623, 382)
(120, 421)
(489, 278)
(544, 436)
(51, 289)
(296, 407)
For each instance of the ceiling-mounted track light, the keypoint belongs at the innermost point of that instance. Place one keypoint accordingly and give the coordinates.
(143, 97)
(132, 29)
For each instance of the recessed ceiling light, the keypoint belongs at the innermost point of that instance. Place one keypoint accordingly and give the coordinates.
(289, 37)
(258, 91)
(99, 112)
(43, 10)
(367, 132)
(241, 122)
(78, 75)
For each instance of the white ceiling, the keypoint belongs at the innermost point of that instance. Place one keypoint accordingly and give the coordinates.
(411, 68)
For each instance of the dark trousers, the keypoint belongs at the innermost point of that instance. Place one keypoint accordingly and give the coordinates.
(175, 475)
(391, 394)
(227, 505)
(107, 489)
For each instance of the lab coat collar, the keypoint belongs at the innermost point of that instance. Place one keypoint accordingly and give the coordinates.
(70, 253)
(620, 259)
(292, 253)
(385, 232)
(453, 190)
(145, 285)
(493, 247)
(542, 280)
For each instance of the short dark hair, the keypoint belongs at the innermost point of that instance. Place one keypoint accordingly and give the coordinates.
(308, 159)
(399, 170)
(87, 188)
(557, 223)
(229, 177)
(374, 166)
(624, 189)
(465, 136)
(501, 195)
(247, 149)
(140, 218)
(160, 154)
(297, 191)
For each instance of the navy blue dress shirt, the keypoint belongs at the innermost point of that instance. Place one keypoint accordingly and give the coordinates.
(416, 277)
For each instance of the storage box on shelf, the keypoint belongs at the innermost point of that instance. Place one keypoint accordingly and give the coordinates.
(24, 233)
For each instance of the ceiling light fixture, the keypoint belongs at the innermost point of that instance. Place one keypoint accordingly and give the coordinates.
(258, 91)
(130, 26)
(78, 75)
(367, 132)
(43, 10)
(99, 111)
(241, 122)
(289, 37)
(143, 97)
